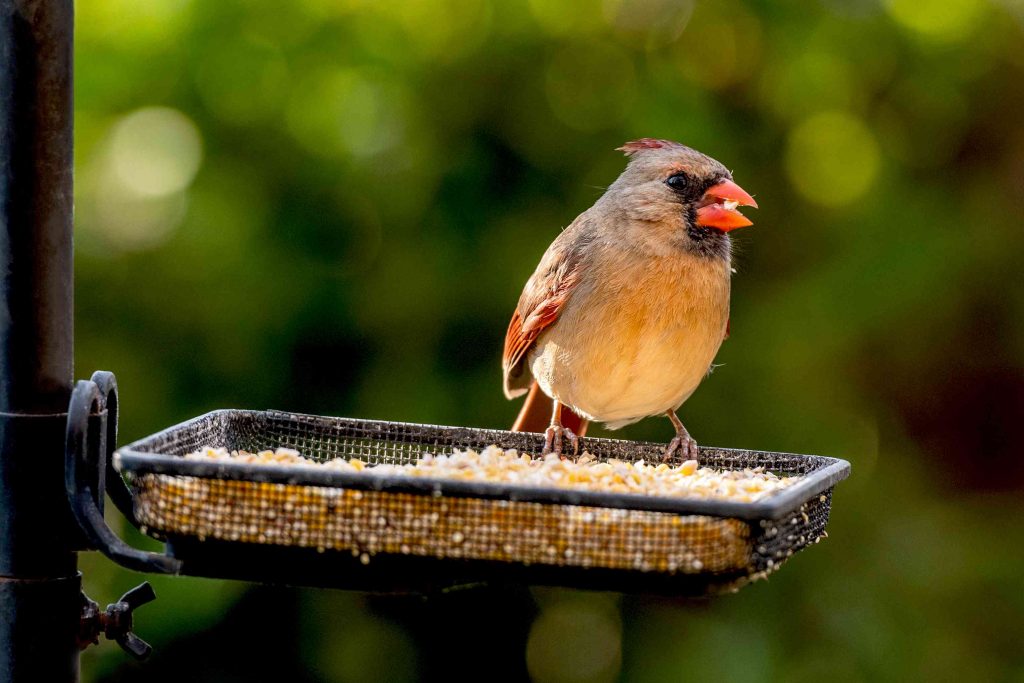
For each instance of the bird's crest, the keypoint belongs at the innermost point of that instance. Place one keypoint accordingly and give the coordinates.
(631, 148)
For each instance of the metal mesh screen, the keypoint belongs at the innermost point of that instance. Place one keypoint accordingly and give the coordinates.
(371, 522)
(324, 438)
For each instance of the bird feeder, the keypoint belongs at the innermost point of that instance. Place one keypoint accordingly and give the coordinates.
(323, 527)
(296, 525)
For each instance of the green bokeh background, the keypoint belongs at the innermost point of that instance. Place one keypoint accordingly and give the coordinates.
(331, 206)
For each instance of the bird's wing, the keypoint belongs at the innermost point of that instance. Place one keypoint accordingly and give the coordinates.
(543, 299)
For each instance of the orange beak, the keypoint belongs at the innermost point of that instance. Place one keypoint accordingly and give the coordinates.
(717, 209)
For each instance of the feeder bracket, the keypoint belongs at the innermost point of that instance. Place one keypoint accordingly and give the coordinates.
(115, 622)
(90, 442)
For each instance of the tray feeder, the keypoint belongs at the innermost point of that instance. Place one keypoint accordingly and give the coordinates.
(294, 525)
(318, 526)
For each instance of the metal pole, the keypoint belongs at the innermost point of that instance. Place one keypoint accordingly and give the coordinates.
(39, 582)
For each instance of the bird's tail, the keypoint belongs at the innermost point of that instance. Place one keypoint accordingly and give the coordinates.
(535, 415)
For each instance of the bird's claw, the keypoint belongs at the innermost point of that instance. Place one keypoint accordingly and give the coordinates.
(685, 445)
(553, 437)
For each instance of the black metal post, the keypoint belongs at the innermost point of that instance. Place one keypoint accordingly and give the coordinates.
(39, 582)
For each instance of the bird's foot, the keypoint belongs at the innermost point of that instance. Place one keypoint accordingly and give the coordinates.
(553, 439)
(684, 445)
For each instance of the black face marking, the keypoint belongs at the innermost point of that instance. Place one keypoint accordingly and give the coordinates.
(708, 183)
(704, 241)
(685, 186)
(708, 242)
(689, 188)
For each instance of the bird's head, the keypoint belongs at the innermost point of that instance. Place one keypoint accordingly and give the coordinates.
(689, 198)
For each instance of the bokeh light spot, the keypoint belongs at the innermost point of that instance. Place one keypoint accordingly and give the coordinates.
(655, 22)
(155, 152)
(126, 23)
(948, 20)
(133, 223)
(832, 158)
(563, 17)
(346, 113)
(442, 30)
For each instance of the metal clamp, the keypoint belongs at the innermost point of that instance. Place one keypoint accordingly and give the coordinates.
(90, 441)
(115, 622)
(115, 487)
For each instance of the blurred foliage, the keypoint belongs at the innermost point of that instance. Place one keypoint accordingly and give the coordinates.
(331, 206)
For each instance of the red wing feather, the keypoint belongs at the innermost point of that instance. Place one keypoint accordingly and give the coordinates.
(539, 307)
(516, 342)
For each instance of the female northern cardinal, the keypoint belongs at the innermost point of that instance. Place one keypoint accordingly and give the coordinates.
(629, 304)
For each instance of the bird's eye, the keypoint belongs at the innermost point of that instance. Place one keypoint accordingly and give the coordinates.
(680, 182)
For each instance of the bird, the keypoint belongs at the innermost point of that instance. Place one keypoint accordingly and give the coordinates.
(623, 316)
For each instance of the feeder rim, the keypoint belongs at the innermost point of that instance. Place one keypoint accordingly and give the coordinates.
(138, 459)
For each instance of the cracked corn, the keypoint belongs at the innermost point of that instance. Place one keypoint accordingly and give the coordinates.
(370, 522)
